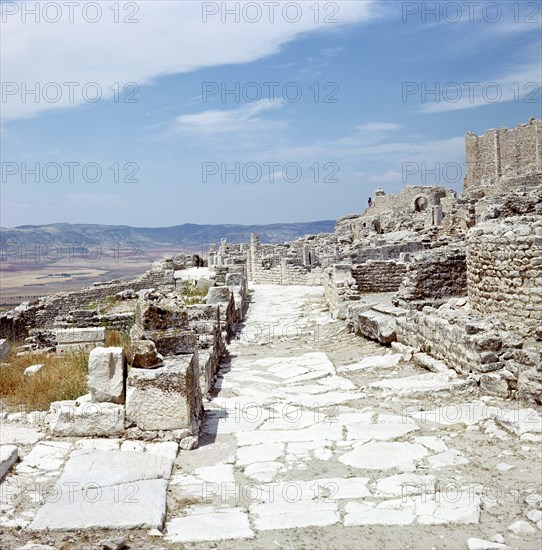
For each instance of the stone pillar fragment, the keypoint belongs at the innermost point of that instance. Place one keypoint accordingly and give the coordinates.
(107, 374)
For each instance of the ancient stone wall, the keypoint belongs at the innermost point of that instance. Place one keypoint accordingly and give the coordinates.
(470, 344)
(339, 285)
(411, 198)
(379, 249)
(503, 154)
(504, 262)
(379, 276)
(434, 276)
(286, 274)
(14, 323)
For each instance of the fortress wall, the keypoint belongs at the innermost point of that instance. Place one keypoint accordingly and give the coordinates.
(501, 155)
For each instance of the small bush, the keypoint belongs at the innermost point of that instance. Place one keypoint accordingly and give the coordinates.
(191, 294)
(63, 377)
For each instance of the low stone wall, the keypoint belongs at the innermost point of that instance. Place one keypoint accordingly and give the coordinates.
(286, 274)
(381, 250)
(470, 344)
(501, 362)
(339, 285)
(504, 263)
(432, 277)
(379, 276)
(14, 324)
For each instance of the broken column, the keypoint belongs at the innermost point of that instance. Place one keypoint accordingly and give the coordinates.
(436, 216)
(106, 375)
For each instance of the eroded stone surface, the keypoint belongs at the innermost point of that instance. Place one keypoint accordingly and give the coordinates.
(109, 489)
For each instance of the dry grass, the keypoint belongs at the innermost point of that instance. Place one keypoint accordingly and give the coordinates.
(63, 377)
(117, 338)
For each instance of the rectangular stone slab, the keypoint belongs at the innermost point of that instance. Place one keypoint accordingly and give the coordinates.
(108, 490)
(76, 335)
(139, 505)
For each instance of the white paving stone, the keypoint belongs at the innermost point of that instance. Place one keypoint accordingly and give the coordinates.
(288, 417)
(373, 362)
(106, 468)
(296, 515)
(406, 484)
(317, 432)
(358, 513)
(480, 544)
(423, 383)
(109, 489)
(19, 435)
(380, 432)
(168, 449)
(263, 471)
(385, 455)
(259, 453)
(324, 400)
(133, 446)
(522, 527)
(208, 481)
(140, 504)
(451, 457)
(205, 523)
(519, 421)
(465, 413)
(245, 417)
(431, 442)
(43, 458)
(461, 508)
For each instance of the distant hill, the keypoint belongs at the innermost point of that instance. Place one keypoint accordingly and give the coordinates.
(187, 236)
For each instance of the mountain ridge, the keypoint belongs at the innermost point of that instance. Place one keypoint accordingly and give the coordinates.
(187, 235)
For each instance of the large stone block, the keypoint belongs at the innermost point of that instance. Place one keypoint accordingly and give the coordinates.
(143, 355)
(76, 339)
(377, 326)
(75, 335)
(70, 418)
(494, 384)
(162, 315)
(167, 398)
(8, 457)
(218, 294)
(530, 384)
(106, 374)
(174, 341)
(234, 279)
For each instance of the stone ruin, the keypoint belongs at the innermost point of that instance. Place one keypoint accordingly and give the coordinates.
(157, 388)
(466, 271)
(450, 283)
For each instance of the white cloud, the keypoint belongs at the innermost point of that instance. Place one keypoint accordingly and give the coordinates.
(170, 37)
(521, 84)
(232, 120)
(379, 127)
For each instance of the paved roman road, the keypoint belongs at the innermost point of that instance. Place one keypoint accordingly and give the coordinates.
(314, 438)
(317, 438)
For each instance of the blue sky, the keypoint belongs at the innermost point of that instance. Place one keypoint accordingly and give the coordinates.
(184, 156)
